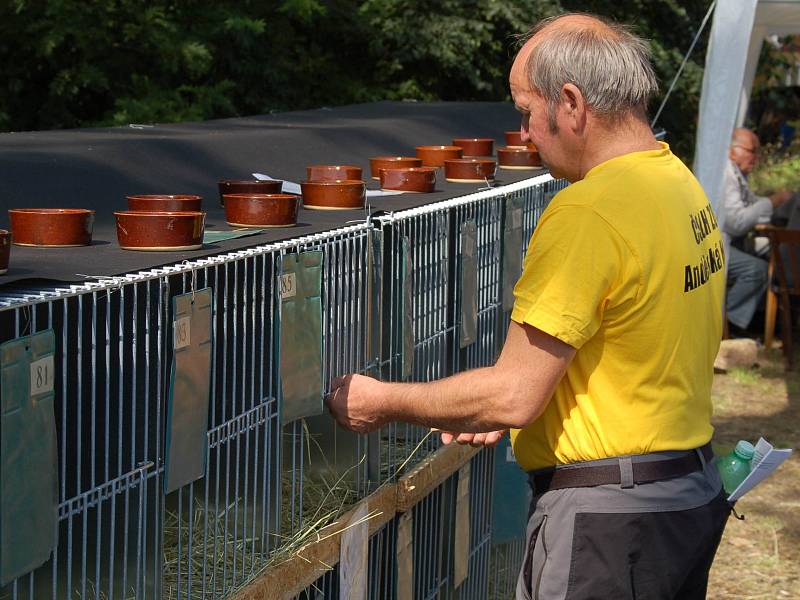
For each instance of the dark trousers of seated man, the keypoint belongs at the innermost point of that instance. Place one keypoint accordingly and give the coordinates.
(653, 540)
(747, 286)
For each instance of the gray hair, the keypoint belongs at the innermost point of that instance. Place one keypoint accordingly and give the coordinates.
(610, 65)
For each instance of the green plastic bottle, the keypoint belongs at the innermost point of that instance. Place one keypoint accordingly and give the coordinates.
(735, 466)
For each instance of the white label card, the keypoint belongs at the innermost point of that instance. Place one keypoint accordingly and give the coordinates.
(183, 332)
(42, 375)
(288, 286)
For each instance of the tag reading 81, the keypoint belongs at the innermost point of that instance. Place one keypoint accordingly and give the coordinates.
(42, 374)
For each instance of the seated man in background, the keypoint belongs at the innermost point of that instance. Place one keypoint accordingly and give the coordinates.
(747, 257)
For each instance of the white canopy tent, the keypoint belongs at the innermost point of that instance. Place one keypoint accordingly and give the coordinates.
(738, 31)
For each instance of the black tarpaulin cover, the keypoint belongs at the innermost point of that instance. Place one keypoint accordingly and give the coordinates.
(97, 168)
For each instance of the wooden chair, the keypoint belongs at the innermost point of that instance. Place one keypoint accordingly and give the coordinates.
(779, 291)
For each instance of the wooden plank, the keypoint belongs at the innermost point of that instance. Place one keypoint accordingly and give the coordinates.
(292, 576)
(430, 473)
(287, 579)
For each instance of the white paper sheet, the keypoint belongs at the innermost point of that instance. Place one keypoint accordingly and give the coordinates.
(765, 460)
(290, 187)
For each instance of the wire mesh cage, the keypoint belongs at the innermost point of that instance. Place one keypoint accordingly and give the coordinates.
(390, 306)
(505, 562)
(431, 559)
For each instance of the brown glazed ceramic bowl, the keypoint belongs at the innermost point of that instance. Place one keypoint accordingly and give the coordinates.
(5, 250)
(345, 194)
(409, 179)
(247, 186)
(475, 146)
(56, 227)
(468, 170)
(160, 231)
(434, 156)
(391, 162)
(333, 172)
(261, 210)
(164, 202)
(514, 138)
(518, 158)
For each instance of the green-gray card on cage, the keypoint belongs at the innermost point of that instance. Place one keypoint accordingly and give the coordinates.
(512, 251)
(300, 285)
(407, 311)
(189, 390)
(468, 331)
(510, 483)
(374, 341)
(28, 455)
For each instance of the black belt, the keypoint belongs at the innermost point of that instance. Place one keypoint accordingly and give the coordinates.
(646, 471)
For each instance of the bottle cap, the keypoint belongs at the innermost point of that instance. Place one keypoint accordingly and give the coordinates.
(745, 449)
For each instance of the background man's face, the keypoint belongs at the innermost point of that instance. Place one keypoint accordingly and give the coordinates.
(744, 152)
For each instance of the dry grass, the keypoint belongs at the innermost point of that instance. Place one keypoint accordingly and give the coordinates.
(218, 545)
(760, 556)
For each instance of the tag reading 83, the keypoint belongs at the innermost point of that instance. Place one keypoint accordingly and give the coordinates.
(183, 332)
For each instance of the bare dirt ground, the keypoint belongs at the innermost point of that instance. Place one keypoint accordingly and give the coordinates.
(760, 556)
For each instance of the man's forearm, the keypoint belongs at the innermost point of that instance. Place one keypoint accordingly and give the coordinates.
(512, 393)
(478, 400)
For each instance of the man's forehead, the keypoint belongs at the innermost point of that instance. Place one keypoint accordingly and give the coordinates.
(745, 136)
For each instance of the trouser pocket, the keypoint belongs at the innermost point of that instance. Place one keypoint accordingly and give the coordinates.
(533, 563)
(540, 560)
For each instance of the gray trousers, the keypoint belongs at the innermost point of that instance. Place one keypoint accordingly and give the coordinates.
(747, 286)
(653, 540)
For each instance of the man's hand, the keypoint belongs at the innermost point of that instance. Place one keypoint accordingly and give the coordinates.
(356, 402)
(488, 439)
(779, 198)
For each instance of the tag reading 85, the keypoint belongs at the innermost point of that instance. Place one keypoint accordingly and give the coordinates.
(42, 373)
(183, 332)
(288, 286)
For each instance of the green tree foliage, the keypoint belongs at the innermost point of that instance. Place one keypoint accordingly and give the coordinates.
(447, 49)
(670, 26)
(70, 63)
(772, 101)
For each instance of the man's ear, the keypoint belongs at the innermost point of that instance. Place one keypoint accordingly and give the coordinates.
(573, 107)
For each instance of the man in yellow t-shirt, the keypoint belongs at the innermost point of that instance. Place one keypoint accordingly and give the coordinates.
(627, 266)
(606, 371)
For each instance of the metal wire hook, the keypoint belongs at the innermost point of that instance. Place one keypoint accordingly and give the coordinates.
(192, 278)
(26, 313)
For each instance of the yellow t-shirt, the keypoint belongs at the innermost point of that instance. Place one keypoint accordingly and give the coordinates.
(626, 266)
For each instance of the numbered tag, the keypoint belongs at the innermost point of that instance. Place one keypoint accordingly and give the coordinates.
(42, 372)
(288, 286)
(183, 332)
